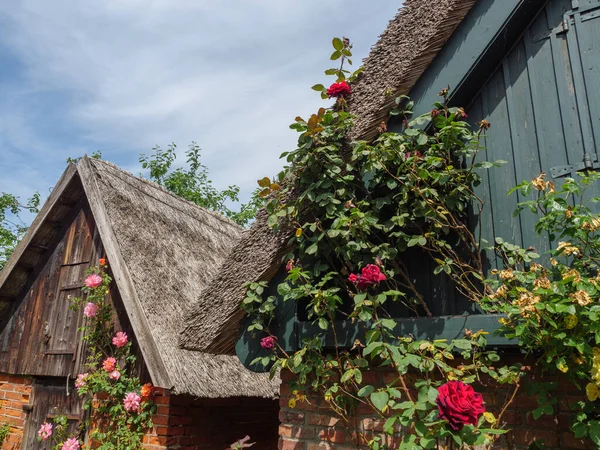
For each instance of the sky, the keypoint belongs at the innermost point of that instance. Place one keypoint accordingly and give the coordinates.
(121, 76)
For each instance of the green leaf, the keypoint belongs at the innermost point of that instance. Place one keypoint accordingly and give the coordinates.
(365, 391)
(337, 44)
(312, 249)
(380, 399)
(318, 87)
(336, 55)
(595, 431)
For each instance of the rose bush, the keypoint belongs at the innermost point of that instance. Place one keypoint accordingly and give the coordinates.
(361, 211)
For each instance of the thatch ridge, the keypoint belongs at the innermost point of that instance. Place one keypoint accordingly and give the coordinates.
(403, 52)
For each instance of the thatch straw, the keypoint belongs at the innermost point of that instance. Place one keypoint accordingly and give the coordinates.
(403, 52)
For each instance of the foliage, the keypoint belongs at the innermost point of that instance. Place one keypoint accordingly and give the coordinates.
(12, 227)
(4, 432)
(357, 211)
(193, 184)
(551, 305)
(113, 425)
(119, 408)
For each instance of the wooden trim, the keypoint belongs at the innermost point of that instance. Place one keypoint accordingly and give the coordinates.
(39, 220)
(421, 328)
(123, 279)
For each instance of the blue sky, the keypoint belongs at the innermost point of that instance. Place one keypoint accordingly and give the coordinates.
(122, 76)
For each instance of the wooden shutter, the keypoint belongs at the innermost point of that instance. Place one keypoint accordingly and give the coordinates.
(544, 106)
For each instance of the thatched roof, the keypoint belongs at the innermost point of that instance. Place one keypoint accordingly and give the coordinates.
(403, 52)
(162, 251)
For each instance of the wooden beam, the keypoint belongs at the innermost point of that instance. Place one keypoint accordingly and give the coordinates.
(420, 328)
(39, 220)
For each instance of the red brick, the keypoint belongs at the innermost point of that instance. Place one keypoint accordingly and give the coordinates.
(287, 416)
(287, 376)
(526, 437)
(322, 420)
(303, 432)
(288, 444)
(569, 441)
(285, 430)
(331, 435)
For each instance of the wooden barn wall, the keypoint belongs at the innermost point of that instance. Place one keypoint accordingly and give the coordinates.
(544, 106)
(543, 103)
(41, 337)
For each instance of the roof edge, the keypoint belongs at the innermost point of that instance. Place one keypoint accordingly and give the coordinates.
(49, 204)
(135, 313)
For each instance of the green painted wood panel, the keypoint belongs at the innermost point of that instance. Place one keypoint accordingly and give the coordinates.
(543, 102)
(421, 328)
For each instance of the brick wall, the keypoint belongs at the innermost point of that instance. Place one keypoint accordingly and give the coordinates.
(312, 426)
(14, 393)
(182, 422)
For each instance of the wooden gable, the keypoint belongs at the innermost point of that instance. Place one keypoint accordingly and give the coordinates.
(41, 335)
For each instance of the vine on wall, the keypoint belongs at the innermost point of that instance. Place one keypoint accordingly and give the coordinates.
(357, 208)
(119, 408)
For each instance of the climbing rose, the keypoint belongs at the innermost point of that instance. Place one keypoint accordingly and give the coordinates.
(93, 281)
(120, 339)
(80, 381)
(340, 89)
(90, 310)
(115, 375)
(370, 275)
(459, 404)
(132, 401)
(102, 261)
(268, 342)
(109, 364)
(147, 390)
(45, 431)
(71, 444)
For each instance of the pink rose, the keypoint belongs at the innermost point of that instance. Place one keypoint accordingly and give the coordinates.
(120, 339)
(115, 375)
(71, 444)
(93, 281)
(268, 342)
(132, 401)
(109, 364)
(80, 381)
(45, 431)
(459, 404)
(340, 89)
(90, 310)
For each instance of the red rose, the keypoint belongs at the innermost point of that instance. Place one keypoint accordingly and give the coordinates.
(340, 89)
(369, 276)
(459, 404)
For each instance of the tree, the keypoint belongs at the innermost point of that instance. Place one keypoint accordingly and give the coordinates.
(12, 227)
(192, 183)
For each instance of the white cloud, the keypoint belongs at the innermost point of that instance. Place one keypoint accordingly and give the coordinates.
(122, 76)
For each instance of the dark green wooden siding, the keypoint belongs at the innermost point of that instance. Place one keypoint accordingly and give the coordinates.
(543, 102)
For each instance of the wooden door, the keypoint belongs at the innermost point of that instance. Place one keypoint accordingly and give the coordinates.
(50, 399)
